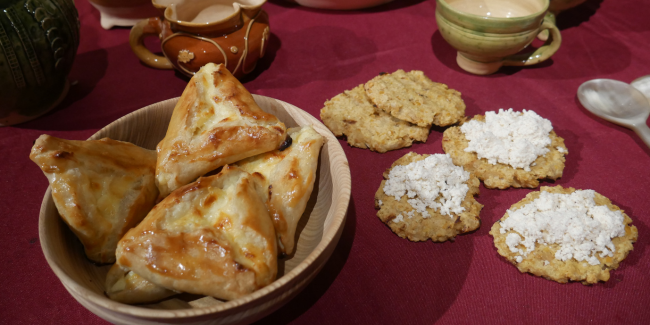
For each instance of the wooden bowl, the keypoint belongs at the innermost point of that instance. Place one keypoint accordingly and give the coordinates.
(319, 231)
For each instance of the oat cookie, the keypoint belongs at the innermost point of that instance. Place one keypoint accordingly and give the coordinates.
(406, 222)
(351, 113)
(412, 97)
(502, 176)
(541, 261)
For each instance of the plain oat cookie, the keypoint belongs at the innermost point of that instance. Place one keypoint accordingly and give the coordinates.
(412, 97)
(564, 234)
(351, 113)
(499, 175)
(411, 216)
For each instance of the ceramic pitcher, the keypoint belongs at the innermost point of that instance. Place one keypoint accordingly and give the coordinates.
(196, 32)
(38, 42)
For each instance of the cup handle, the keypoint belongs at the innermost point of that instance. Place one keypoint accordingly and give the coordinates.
(142, 29)
(549, 48)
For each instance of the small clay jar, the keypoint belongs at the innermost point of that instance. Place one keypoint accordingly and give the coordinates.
(196, 32)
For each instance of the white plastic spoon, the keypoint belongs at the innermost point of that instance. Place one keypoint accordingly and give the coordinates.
(617, 102)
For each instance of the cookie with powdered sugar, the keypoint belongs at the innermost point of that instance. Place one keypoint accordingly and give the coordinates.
(412, 97)
(427, 197)
(571, 235)
(495, 174)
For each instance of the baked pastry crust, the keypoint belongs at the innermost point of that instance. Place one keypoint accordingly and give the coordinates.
(411, 96)
(569, 270)
(289, 176)
(101, 188)
(436, 227)
(502, 176)
(212, 237)
(125, 286)
(215, 122)
(351, 113)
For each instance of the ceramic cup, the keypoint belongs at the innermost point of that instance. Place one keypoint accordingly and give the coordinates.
(123, 12)
(195, 32)
(488, 34)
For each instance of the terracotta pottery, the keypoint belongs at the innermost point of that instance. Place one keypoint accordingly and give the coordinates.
(38, 42)
(196, 32)
(123, 12)
(488, 34)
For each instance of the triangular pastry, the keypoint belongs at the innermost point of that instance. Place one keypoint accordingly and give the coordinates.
(124, 286)
(101, 188)
(215, 122)
(289, 176)
(212, 237)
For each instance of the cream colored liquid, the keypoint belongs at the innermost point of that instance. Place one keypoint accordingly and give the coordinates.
(497, 8)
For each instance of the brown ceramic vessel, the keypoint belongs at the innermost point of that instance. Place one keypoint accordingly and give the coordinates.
(196, 32)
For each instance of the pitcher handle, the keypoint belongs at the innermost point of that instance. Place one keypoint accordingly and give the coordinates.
(549, 48)
(142, 29)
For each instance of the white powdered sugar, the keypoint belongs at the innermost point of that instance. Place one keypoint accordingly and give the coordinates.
(574, 221)
(508, 137)
(434, 182)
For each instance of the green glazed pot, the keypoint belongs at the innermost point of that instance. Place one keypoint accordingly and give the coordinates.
(38, 42)
(485, 43)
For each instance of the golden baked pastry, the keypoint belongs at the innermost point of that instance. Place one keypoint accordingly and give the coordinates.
(101, 188)
(124, 286)
(289, 176)
(354, 115)
(502, 176)
(412, 97)
(215, 122)
(212, 237)
(542, 262)
(406, 222)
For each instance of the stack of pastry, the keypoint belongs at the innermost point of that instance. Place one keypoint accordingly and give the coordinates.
(216, 235)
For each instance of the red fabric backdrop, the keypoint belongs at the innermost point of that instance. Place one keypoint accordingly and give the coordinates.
(374, 276)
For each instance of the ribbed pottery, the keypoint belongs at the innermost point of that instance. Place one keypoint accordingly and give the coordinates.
(38, 42)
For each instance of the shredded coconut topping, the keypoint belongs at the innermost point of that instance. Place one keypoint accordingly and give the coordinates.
(574, 221)
(508, 137)
(434, 182)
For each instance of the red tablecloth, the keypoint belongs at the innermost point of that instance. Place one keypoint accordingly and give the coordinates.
(374, 276)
